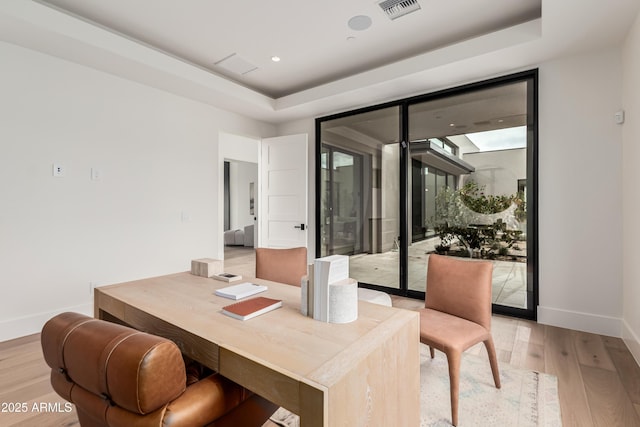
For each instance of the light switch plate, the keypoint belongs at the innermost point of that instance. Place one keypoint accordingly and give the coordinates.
(58, 170)
(96, 174)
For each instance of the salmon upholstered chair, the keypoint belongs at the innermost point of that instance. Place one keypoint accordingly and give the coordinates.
(281, 265)
(118, 376)
(290, 265)
(457, 314)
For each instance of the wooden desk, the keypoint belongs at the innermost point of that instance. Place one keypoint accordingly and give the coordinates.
(364, 373)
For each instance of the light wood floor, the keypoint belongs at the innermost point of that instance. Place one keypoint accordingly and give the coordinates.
(599, 381)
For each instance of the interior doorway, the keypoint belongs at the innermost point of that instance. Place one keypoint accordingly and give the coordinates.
(239, 175)
(263, 186)
(240, 206)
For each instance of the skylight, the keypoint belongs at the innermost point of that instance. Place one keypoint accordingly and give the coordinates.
(501, 139)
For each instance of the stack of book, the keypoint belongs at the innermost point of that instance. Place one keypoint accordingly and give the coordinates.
(306, 297)
(240, 291)
(328, 294)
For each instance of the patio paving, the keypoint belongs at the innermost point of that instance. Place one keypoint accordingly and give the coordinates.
(509, 278)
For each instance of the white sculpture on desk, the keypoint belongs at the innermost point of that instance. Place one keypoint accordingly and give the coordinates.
(330, 294)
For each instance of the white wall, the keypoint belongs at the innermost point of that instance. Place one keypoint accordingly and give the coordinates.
(239, 147)
(157, 153)
(631, 200)
(580, 195)
(498, 171)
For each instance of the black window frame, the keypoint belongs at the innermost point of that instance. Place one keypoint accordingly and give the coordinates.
(532, 181)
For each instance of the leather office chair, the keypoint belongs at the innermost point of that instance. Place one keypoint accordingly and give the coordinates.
(281, 265)
(117, 376)
(457, 314)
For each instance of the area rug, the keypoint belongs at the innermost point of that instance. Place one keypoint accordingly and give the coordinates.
(526, 399)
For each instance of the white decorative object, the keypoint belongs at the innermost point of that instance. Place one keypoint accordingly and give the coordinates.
(375, 297)
(307, 295)
(206, 267)
(343, 301)
(304, 295)
(332, 271)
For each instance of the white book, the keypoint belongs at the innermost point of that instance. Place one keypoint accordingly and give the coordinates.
(327, 270)
(304, 295)
(310, 291)
(240, 291)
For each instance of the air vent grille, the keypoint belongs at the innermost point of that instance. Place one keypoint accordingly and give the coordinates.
(396, 8)
(236, 64)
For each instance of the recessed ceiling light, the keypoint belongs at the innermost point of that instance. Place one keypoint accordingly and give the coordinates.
(452, 124)
(275, 58)
(359, 22)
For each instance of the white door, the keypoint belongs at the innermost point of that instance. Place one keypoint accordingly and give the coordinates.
(283, 192)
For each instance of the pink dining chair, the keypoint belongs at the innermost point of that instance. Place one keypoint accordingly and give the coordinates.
(281, 265)
(457, 314)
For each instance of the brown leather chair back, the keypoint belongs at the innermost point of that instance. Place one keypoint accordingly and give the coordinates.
(281, 265)
(460, 287)
(117, 376)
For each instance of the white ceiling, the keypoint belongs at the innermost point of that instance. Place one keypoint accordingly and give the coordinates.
(309, 36)
(174, 45)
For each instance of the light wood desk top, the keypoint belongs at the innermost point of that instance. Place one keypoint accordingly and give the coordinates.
(361, 373)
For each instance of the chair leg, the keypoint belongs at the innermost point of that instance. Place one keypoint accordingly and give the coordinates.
(454, 383)
(491, 350)
(432, 352)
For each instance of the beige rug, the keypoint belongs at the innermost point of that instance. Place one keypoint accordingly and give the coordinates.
(526, 399)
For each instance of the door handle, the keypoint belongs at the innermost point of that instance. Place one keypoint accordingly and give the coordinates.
(301, 226)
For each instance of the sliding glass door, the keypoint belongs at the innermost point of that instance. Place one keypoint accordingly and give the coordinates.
(359, 214)
(452, 173)
(469, 163)
(342, 201)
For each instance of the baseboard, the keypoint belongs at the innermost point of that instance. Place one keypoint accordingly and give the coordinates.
(585, 322)
(27, 325)
(631, 340)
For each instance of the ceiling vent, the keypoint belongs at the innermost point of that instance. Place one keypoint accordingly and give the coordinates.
(236, 64)
(396, 8)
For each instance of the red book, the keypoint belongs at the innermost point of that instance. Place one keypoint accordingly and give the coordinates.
(252, 307)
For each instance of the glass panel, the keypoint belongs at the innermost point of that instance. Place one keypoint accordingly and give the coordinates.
(346, 210)
(472, 150)
(360, 194)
